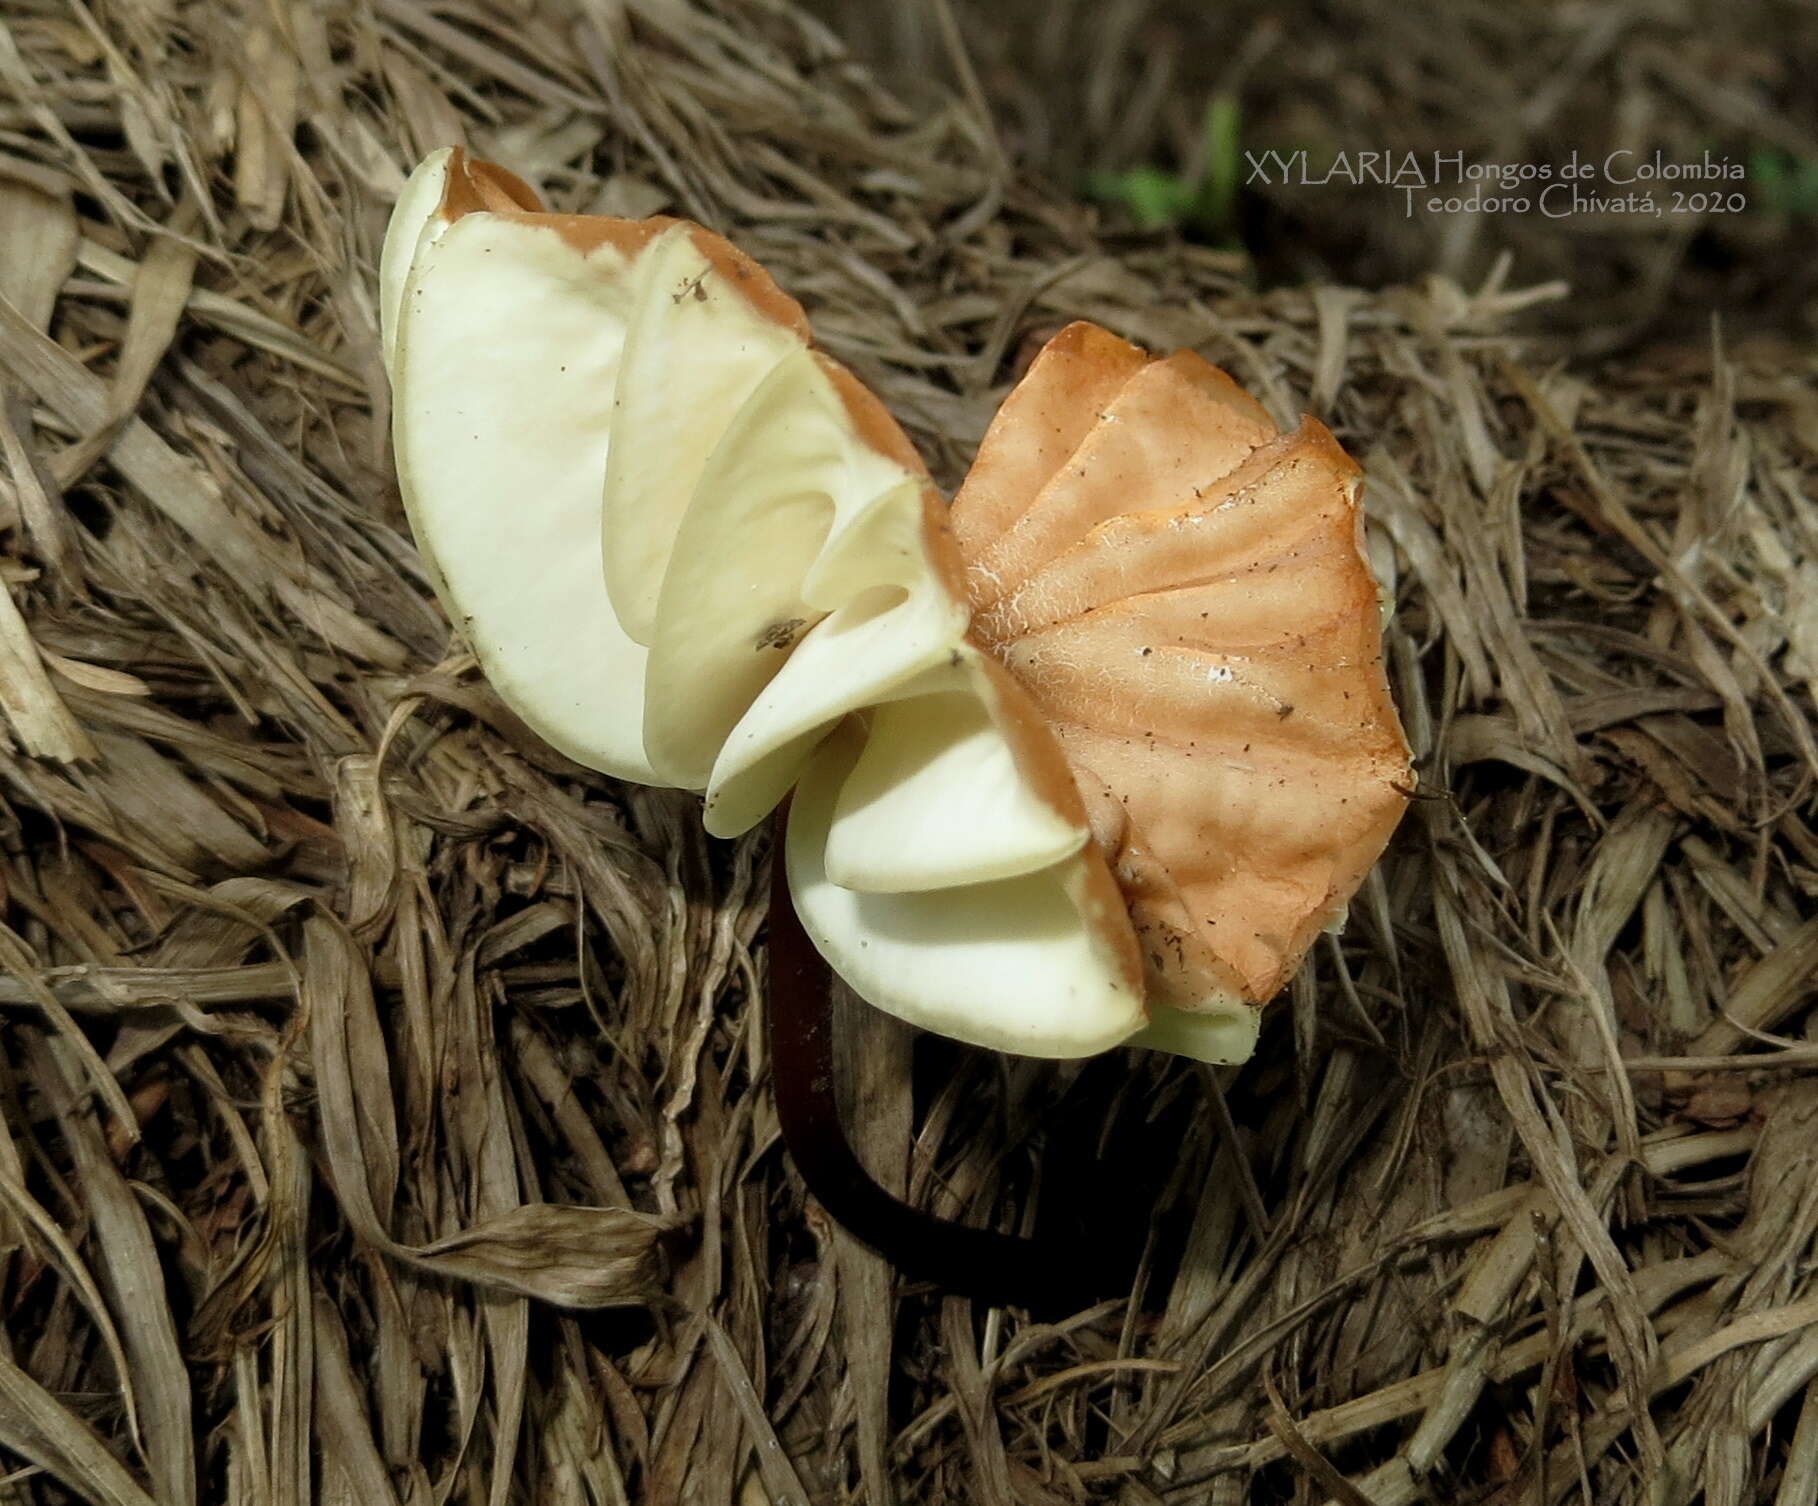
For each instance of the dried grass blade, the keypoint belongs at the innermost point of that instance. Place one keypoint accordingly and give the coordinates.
(133, 1277)
(111, 990)
(353, 1077)
(38, 251)
(160, 292)
(290, 1393)
(36, 1426)
(267, 120)
(781, 1482)
(570, 1256)
(341, 1412)
(42, 722)
(873, 1060)
(1318, 1467)
(1764, 995)
(1799, 1482)
(20, 970)
(37, 255)
(69, 1264)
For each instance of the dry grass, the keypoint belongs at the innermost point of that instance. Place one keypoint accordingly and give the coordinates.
(1114, 83)
(385, 1116)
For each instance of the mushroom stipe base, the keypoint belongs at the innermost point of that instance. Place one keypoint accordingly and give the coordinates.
(1050, 1278)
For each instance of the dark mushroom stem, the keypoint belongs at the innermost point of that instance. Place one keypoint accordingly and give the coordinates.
(1049, 1278)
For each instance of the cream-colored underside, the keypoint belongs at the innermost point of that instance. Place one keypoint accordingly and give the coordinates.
(678, 553)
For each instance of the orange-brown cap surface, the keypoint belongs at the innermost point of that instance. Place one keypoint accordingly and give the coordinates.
(1185, 595)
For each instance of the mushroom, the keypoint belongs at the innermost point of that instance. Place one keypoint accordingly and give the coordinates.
(1088, 758)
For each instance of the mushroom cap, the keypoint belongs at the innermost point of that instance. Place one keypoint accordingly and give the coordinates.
(1184, 593)
(1089, 757)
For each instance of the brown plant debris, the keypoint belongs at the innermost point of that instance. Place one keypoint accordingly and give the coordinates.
(383, 1112)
